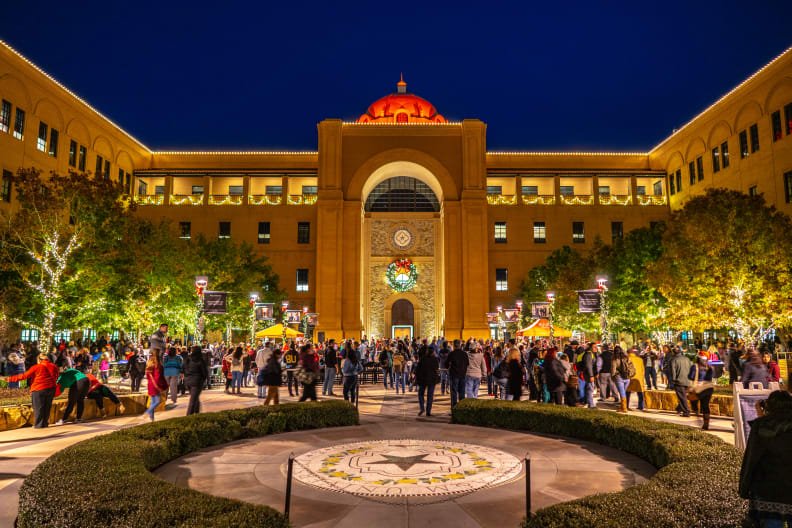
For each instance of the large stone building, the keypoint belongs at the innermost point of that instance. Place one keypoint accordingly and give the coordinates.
(403, 221)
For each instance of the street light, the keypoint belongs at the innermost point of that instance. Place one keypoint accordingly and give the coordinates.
(254, 296)
(551, 308)
(602, 286)
(201, 282)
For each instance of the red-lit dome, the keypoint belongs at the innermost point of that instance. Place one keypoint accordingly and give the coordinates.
(401, 107)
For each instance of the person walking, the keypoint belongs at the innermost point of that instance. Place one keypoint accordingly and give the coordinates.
(308, 373)
(701, 374)
(78, 385)
(290, 358)
(754, 371)
(385, 360)
(773, 370)
(677, 372)
(271, 378)
(42, 388)
(399, 362)
(605, 378)
(476, 370)
(622, 369)
(554, 376)
(158, 341)
(457, 369)
(155, 379)
(196, 373)
(443, 359)
(173, 367)
(651, 367)
(351, 368)
(637, 379)
(515, 375)
(237, 368)
(137, 370)
(427, 375)
(331, 364)
(587, 374)
(500, 373)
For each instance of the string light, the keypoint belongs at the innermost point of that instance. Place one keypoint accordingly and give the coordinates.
(538, 153)
(235, 153)
(265, 199)
(538, 199)
(652, 200)
(501, 199)
(149, 199)
(301, 199)
(183, 199)
(578, 199)
(225, 199)
(615, 199)
(391, 123)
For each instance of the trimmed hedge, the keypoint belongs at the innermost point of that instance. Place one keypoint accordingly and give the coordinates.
(696, 482)
(107, 481)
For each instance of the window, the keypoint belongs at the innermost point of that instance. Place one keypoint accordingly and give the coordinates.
(29, 335)
(494, 189)
(725, 154)
(540, 233)
(788, 187)
(274, 189)
(72, 153)
(19, 124)
(679, 180)
(5, 116)
(99, 165)
(224, 230)
(657, 188)
(604, 190)
(128, 183)
(715, 160)
(106, 172)
(235, 190)
(567, 190)
(263, 232)
(753, 190)
(41, 142)
(310, 189)
(159, 189)
(743, 144)
(700, 167)
(692, 171)
(501, 279)
(303, 232)
(302, 280)
(617, 231)
(530, 190)
(185, 230)
(53, 144)
(500, 232)
(775, 118)
(5, 190)
(671, 186)
(578, 233)
(754, 132)
(83, 155)
(788, 118)
(197, 189)
(640, 190)
(121, 176)
(142, 188)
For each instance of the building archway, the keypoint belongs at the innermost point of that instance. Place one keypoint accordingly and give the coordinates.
(403, 315)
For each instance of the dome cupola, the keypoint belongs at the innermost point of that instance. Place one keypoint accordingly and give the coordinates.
(401, 107)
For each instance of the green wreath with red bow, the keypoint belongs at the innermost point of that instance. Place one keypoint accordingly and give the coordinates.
(401, 275)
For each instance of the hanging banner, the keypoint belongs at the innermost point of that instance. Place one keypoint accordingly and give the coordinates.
(511, 315)
(540, 310)
(265, 311)
(588, 301)
(215, 302)
(492, 318)
(313, 319)
(293, 316)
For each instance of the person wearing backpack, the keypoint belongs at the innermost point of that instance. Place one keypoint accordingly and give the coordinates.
(399, 362)
(637, 381)
(500, 374)
(270, 377)
(622, 369)
(586, 368)
(386, 364)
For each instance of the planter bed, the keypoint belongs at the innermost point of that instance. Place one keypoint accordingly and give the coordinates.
(720, 404)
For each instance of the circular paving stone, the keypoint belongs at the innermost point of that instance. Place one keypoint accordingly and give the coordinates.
(392, 468)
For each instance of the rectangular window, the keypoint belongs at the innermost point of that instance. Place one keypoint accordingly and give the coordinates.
(41, 142)
(540, 233)
(106, 172)
(788, 187)
(604, 190)
(53, 143)
(302, 279)
(303, 232)
(500, 232)
(142, 188)
(715, 160)
(754, 131)
(159, 189)
(725, 154)
(5, 116)
(72, 153)
(775, 118)
(121, 176)
(753, 190)
(235, 190)
(671, 186)
(567, 190)
(197, 189)
(263, 232)
(679, 180)
(692, 171)
(19, 124)
(640, 190)
(5, 190)
(128, 185)
(617, 231)
(99, 165)
(501, 279)
(224, 230)
(657, 188)
(788, 118)
(700, 167)
(494, 189)
(83, 155)
(744, 144)
(530, 190)
(185, 230)
(310, 189)
(578, 233)
(274, 189)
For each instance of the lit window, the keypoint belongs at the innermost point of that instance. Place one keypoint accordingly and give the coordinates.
(744, 144)
(617, 231)
(530, 190)
(754, 132)
(700, 167)
(303, 232)
(500, 232)
(185, 230)
(197, 189)
(539, 233)
(41, 142)
(788, 187)
(494, 189)
(224, 230)
(692, 172)
(5, 190)
(235, 190)
(72, 153)
(29, 335)
(263, 232)
(310, 189)
(142, 188)
(775, 118)
(657, 188)
(83, 155)
(578, 233)
(604, 190)
(302, 280)
(274, 189)
(567, 190)
(725, 154)
(715, 160)
(19, 124)
(5, 116)
(501, 279)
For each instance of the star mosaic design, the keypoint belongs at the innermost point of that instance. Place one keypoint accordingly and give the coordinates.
(405, 463)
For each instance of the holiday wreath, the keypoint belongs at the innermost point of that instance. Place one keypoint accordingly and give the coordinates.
(401, 275)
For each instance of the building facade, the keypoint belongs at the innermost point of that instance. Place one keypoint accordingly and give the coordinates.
(403, 222)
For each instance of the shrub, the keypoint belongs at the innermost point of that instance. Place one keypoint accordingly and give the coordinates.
(107, 481)
(696, 482)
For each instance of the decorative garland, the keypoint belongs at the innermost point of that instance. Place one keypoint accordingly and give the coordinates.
(401, 275)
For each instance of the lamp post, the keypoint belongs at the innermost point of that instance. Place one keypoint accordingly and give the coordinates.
(551, 314)
(201, 282)
(602, 286)
(501, 322)
(254, 296)
(284, 307)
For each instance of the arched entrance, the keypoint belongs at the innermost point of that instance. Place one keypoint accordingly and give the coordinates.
(402, 319)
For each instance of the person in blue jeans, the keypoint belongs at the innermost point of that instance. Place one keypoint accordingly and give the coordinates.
(331, 362)
(386, 363)
(620, 375)
(476, 370)
(426, 376)
(457, 368)
(351, 367)
(399, 361)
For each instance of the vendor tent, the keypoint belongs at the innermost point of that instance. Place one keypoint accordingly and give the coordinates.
(276, 331)
(541, 328)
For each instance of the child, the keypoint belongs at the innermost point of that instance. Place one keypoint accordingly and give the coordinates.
(104, 367)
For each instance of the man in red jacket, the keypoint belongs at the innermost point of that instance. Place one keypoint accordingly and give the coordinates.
(42, 390)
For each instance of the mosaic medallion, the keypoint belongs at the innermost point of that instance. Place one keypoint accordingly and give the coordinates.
(391, 468)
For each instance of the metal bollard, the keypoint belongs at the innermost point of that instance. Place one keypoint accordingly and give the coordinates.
(289, 472)
(527, 486)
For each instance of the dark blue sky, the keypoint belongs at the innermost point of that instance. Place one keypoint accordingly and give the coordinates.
(557, 75)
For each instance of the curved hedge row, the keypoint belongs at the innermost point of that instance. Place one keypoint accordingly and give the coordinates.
(696, 482)
(107, 481)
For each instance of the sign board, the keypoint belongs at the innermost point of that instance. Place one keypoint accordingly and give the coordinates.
(313, 319)
(293, 316)
(492, 318)
(265, 311)
(588, 301)
(215, 302)
(540, 310)
(511, 315)
(745, 402)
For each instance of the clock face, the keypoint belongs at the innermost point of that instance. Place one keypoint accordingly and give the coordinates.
(402, 238)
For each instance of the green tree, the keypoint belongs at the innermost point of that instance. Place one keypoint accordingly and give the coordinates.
(726, 264)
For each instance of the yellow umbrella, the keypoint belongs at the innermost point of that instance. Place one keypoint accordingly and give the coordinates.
(276, 331)
(541, 328)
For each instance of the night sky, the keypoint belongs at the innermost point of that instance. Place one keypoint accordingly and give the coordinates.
(552, 76)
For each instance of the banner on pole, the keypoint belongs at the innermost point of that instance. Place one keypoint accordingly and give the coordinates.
(265, 311)
(215, 302)
(492, 318)
(540, 310)
(588, 301)
(511, 315)
(293, 316)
